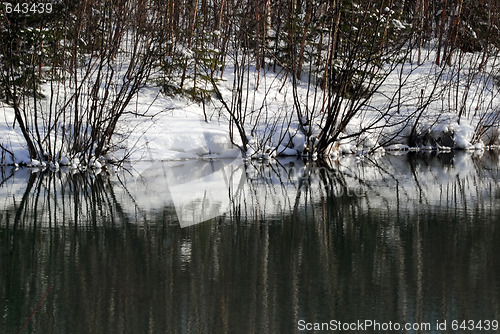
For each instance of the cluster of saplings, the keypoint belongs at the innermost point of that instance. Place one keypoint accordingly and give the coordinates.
(70, 74)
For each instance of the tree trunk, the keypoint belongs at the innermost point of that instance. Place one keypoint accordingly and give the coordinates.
(441, 31)
(304, 38)
(453, 32)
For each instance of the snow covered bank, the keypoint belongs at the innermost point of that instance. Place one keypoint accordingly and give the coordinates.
(417, 107)
(143, 81)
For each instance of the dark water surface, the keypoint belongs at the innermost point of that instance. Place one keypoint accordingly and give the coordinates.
(400, 239)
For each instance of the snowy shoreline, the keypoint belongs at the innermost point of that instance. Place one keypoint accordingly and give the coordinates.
(161, 127)
(131, 81)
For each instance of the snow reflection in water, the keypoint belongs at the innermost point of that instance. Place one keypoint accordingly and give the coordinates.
(414, 238)
(202, 190)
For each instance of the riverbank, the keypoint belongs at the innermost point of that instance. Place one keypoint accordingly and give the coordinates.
(411, 110)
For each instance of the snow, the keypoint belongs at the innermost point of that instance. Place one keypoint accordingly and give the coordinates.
(398, 25)
(177, 136)
(286, 151)
(463, 137)
(175, 128)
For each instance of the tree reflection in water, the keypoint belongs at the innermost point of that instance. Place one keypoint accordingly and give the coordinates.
(393, 238)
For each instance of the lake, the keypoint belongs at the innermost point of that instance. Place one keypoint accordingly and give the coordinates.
(399, 241)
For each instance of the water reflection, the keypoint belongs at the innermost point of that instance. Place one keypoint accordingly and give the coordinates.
(392, 238)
